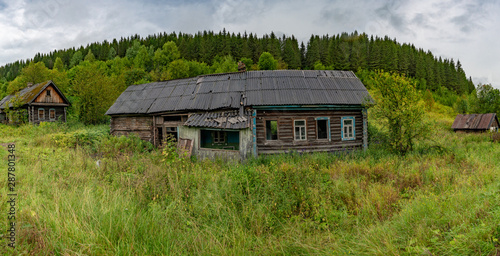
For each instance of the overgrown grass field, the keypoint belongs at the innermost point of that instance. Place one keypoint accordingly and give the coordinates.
(84, 192)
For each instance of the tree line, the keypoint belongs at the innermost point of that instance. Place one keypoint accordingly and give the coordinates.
(342, 52)
(81, 73)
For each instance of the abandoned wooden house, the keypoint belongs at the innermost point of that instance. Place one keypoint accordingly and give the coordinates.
(241, 114)
(43, 102)
(476, 123)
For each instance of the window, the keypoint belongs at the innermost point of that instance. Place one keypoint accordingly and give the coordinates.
(172, 119)
(52, 114)
(229, 140)
(348, 131)
(171, 133)
(41, 114)
(48, 93)
(219, 137)
(271, 130)
(300, 129)
(323, 127)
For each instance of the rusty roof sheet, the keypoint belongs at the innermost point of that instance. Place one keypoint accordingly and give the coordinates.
(220, 119)
(29, 94)
(474, 121)
(260, 88)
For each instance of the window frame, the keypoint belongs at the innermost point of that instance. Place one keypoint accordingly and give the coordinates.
(43, 114)
(221, 135)
(48, 93)
(277, 129)
(300, 126)
(50, 110)
(343, 125)
(328, 128)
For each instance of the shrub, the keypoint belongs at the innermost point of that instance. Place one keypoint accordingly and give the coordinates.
(112, 145)
(85, 138)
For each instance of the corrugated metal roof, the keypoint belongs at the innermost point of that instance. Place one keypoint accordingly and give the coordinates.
(29, 94)
(474, 121)
(220, 119)
(261, 88)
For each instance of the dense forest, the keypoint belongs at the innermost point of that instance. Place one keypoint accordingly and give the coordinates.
(105, 69)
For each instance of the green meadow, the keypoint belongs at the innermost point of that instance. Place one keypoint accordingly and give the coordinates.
(81, 191)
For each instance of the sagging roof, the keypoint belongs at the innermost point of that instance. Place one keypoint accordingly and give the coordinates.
(253, 88)
(474, 121)
(220, 119)
(29, 94)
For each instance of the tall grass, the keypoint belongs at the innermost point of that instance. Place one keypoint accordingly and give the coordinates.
(83, 192)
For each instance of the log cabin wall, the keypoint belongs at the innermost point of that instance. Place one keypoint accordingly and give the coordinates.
(42, 114)
(286, 141)
(140, 125)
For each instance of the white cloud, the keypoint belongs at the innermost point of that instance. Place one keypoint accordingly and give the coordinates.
(458, 29)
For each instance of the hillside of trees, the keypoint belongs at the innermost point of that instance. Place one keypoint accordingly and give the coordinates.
(99, 72)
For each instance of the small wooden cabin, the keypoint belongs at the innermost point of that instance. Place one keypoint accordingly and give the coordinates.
(476, 123)
(44, 102)
(248, 113)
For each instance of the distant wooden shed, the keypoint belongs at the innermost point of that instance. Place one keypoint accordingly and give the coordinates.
(476, 123)
(44, 102)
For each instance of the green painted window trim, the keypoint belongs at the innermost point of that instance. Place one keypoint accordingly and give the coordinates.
(353, 128)
(328, 127)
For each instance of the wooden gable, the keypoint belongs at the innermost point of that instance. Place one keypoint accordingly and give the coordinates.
(50, 95)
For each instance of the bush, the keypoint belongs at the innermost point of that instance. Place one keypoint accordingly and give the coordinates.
(85, 138)
(112, 145)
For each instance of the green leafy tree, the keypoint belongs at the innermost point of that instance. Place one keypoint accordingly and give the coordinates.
(248, 63)
(267, 62)
(59, 65)
(319, 66)
(15, 114)
(133, 50)
(89, 57)
(225, 64)
(400, 109)
(94, 91)
(76, 59)
(33, 73)
(197, 68)
(178, 69)
(488, 99)
(143, 59)
(168, 53)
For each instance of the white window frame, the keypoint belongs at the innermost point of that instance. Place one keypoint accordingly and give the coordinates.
(348, 136)
(304, 127)
(50, 110)
(43, 114)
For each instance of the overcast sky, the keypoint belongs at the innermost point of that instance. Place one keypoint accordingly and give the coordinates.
(465, 30)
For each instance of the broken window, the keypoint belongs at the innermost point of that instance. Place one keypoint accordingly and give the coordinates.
(171, 133)
(322, 128)
(271, 130)
(41, 114)
(52, 114)
(229, 140)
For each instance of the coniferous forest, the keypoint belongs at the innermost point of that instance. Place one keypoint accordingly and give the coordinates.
(418, 189)
(135, 60)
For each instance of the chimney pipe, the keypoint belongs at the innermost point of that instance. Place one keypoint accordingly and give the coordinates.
(242, 66)
(30, 84)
